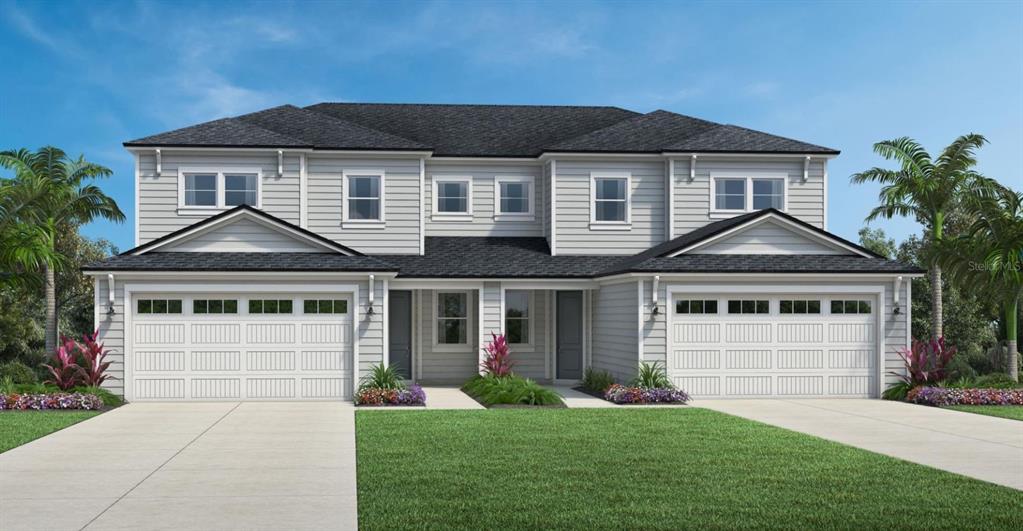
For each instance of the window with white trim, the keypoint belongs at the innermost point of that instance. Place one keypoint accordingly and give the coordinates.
(850, 307)
(747, 193)
(159, 306)
(768, 193)
(513, 197)
(452, 197)
(452, 318)
(364, 192)
(789, 306)
(747, 306)
(730, 194)
(696, 306)
(516, 316)
(201, 306)
(610, 198)
(201, 188)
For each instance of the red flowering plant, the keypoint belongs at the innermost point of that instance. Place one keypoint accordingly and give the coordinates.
(497, 358)
(926, 362)
(64, 372)
(93, 366)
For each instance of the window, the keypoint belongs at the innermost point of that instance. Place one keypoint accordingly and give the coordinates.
(239, 189)
(741, 193)
(452, 197)
(202, 188)
(513, 197)
(610, 198)
(768, 193)
(365, 193)
(730, 194)
(452, 318)
(850, 307)
(159, 306)
(215, 306)
(749, 306)
(516, 316)
(270, 306)
(799, 306)
(325, 306)
(696, 306)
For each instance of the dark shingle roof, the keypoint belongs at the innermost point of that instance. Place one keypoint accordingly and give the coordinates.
(479, 130)
(771, 263)
(216, 261)
(475, 131)
(495, 257)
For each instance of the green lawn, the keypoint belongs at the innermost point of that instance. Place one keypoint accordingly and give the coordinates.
(20, 427)
(645, 468)
(1009, 412)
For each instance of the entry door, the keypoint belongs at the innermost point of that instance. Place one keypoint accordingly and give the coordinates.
(400, 330)
(570, 335)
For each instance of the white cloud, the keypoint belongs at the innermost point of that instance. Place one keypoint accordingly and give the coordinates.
(28, 28)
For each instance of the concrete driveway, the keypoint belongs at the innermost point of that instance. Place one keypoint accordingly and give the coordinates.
(978, 446)
(202, 466)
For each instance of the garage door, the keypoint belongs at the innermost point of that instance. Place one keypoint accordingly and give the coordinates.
(760, 345)
(240, 347)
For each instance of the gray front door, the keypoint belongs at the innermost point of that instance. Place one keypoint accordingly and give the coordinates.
(570, 335)
(400, 330)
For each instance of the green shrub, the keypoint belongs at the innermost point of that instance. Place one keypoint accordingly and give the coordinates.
(960, 368)
(109, 399)
(597, 381)
(513, 390)
(652, 376)
(381, 377)
(897, 391)
(18, 372)
(35, 389)
(997, 380)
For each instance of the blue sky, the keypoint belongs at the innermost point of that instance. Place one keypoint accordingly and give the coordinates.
(88, 76)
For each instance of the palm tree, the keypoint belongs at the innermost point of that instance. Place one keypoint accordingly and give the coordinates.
(927, 189)
(24, 243)
(988, 257)
(61, 198)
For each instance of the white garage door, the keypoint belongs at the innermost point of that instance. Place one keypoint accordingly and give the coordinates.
(770, 345)
(240, 347)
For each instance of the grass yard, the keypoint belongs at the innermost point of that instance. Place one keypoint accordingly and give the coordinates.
(1008, 412)
(645, 468)
(20, 427)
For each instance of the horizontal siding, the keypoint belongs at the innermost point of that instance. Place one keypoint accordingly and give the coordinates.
(767, 238)
(401, 209)
(484, 177)
(244, 236)
(574, 235)
(615, 330)
(692, 199)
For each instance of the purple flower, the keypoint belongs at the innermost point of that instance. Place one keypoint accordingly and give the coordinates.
(620, 394)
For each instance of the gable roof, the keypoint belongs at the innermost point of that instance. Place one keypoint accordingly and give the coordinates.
(242, 261)
(523, 131)
(229, 216)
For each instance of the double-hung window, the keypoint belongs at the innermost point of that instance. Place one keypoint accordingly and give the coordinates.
(204, 189)
(516, 316)
(513, 198)
(732, 193)
(364, 197)
(452, 318)
(610, 195)
(452, 198)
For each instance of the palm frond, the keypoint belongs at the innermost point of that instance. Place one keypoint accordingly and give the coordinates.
(908, 153)
(959, 155)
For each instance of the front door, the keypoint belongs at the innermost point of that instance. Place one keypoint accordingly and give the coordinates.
(570, 335)
(400, 331)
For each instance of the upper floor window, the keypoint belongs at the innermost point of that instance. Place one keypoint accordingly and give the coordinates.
(610, 198)
(210, 188)
(452, 197)
(513, 197)
(737, 193)
(364, 197)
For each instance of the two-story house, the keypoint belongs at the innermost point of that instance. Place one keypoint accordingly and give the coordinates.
(281, 254)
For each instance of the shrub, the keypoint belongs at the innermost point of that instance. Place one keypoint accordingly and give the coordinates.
(381, 377)
(897, 391)
(652, 376)
(597, 381)
(497, 358)
(950, 396)
(412, 395)
(926, 362)
(998, 380)
(620, 394)
(18, 372)
(50, 401)
(510, 390)
(64, 372)
(959, 368)
(92, 354)
(109, 399)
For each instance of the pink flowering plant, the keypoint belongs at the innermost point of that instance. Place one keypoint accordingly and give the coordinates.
(65, 370)
(29, 402)
(622, 394)
(497, 357)
(92, 353)
(65, 373)
(926, 362)
(951, 396)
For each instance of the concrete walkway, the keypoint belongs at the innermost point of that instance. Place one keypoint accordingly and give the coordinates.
(442, 397)
(202, 466)
(576, 399)
(978, 446)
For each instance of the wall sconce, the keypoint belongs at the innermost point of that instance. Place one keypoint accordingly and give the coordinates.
(369, 311)
(655, 310)
(369, 297)
(110, 294)
(897, 309)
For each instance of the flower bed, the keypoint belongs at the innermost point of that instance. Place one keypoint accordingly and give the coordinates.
(950, 396)
(25, 402)
(620, 394)
(413, 395)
